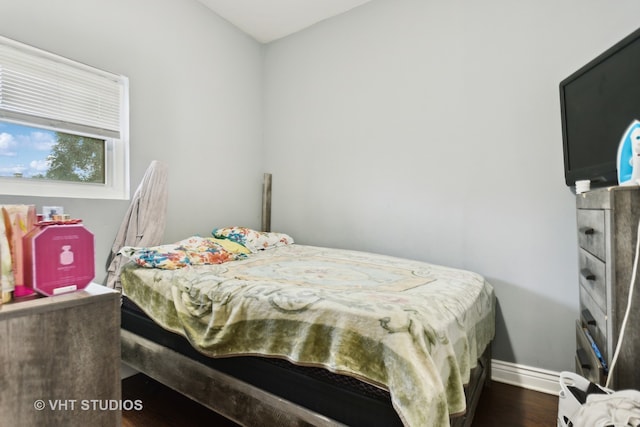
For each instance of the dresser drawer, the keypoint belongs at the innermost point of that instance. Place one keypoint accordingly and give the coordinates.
(592, 278)
(598, 330)
(587, 361)
(591, 231)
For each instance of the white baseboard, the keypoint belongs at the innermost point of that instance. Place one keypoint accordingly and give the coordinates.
(527, 377)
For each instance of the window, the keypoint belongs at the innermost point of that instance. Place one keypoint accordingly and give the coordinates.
(64, 128)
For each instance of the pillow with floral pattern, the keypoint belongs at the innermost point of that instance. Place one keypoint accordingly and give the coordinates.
(252, 239)
(192, 251)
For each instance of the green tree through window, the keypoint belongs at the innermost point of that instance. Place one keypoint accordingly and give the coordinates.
(77, 158)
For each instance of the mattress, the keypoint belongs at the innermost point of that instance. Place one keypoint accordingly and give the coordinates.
(409, 328)
(339, 397)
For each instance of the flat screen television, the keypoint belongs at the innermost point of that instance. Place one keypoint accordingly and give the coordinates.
(598, 102)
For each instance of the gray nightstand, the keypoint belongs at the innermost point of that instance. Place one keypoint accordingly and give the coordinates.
(60, 360)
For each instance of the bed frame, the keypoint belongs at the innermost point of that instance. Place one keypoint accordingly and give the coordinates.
(247, 404)
(172, 361)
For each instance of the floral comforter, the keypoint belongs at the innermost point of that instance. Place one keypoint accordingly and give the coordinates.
(411, 327)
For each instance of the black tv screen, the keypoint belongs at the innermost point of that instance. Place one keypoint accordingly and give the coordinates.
(598, 102)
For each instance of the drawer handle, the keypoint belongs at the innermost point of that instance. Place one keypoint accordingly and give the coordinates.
(587, 230)
(583, 360)
(587, 274)
(588, 318)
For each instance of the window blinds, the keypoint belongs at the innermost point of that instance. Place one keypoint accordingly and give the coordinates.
(41, 88)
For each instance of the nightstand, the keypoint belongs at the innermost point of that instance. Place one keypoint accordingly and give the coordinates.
(60, 359)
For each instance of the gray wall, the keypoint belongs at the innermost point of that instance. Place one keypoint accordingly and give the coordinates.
(431, 130)
(195, 98)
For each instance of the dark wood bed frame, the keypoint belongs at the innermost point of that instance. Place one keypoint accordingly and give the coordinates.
(244, 403)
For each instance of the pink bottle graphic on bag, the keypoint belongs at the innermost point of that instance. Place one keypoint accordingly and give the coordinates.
(66, 256)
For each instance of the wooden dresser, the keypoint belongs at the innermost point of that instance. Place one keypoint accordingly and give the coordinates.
(607, 227)
(60, 360)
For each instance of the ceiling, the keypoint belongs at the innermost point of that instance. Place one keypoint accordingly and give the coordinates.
(268, 20)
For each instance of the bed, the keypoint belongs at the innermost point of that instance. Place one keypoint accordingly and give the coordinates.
(269, 332)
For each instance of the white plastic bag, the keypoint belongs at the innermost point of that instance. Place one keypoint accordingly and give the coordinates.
(618, 409)
(568, 404)
(602, 408)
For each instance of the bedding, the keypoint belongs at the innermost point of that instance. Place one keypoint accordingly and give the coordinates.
(192, 251)
(412, 328)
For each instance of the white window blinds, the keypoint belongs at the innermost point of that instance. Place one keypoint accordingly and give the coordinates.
(41, 88)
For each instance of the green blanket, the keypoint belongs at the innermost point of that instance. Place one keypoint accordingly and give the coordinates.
(411, 327)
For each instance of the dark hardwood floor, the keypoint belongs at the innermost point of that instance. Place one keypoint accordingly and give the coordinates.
(500, 405)
(164, 407)
(507, 405)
